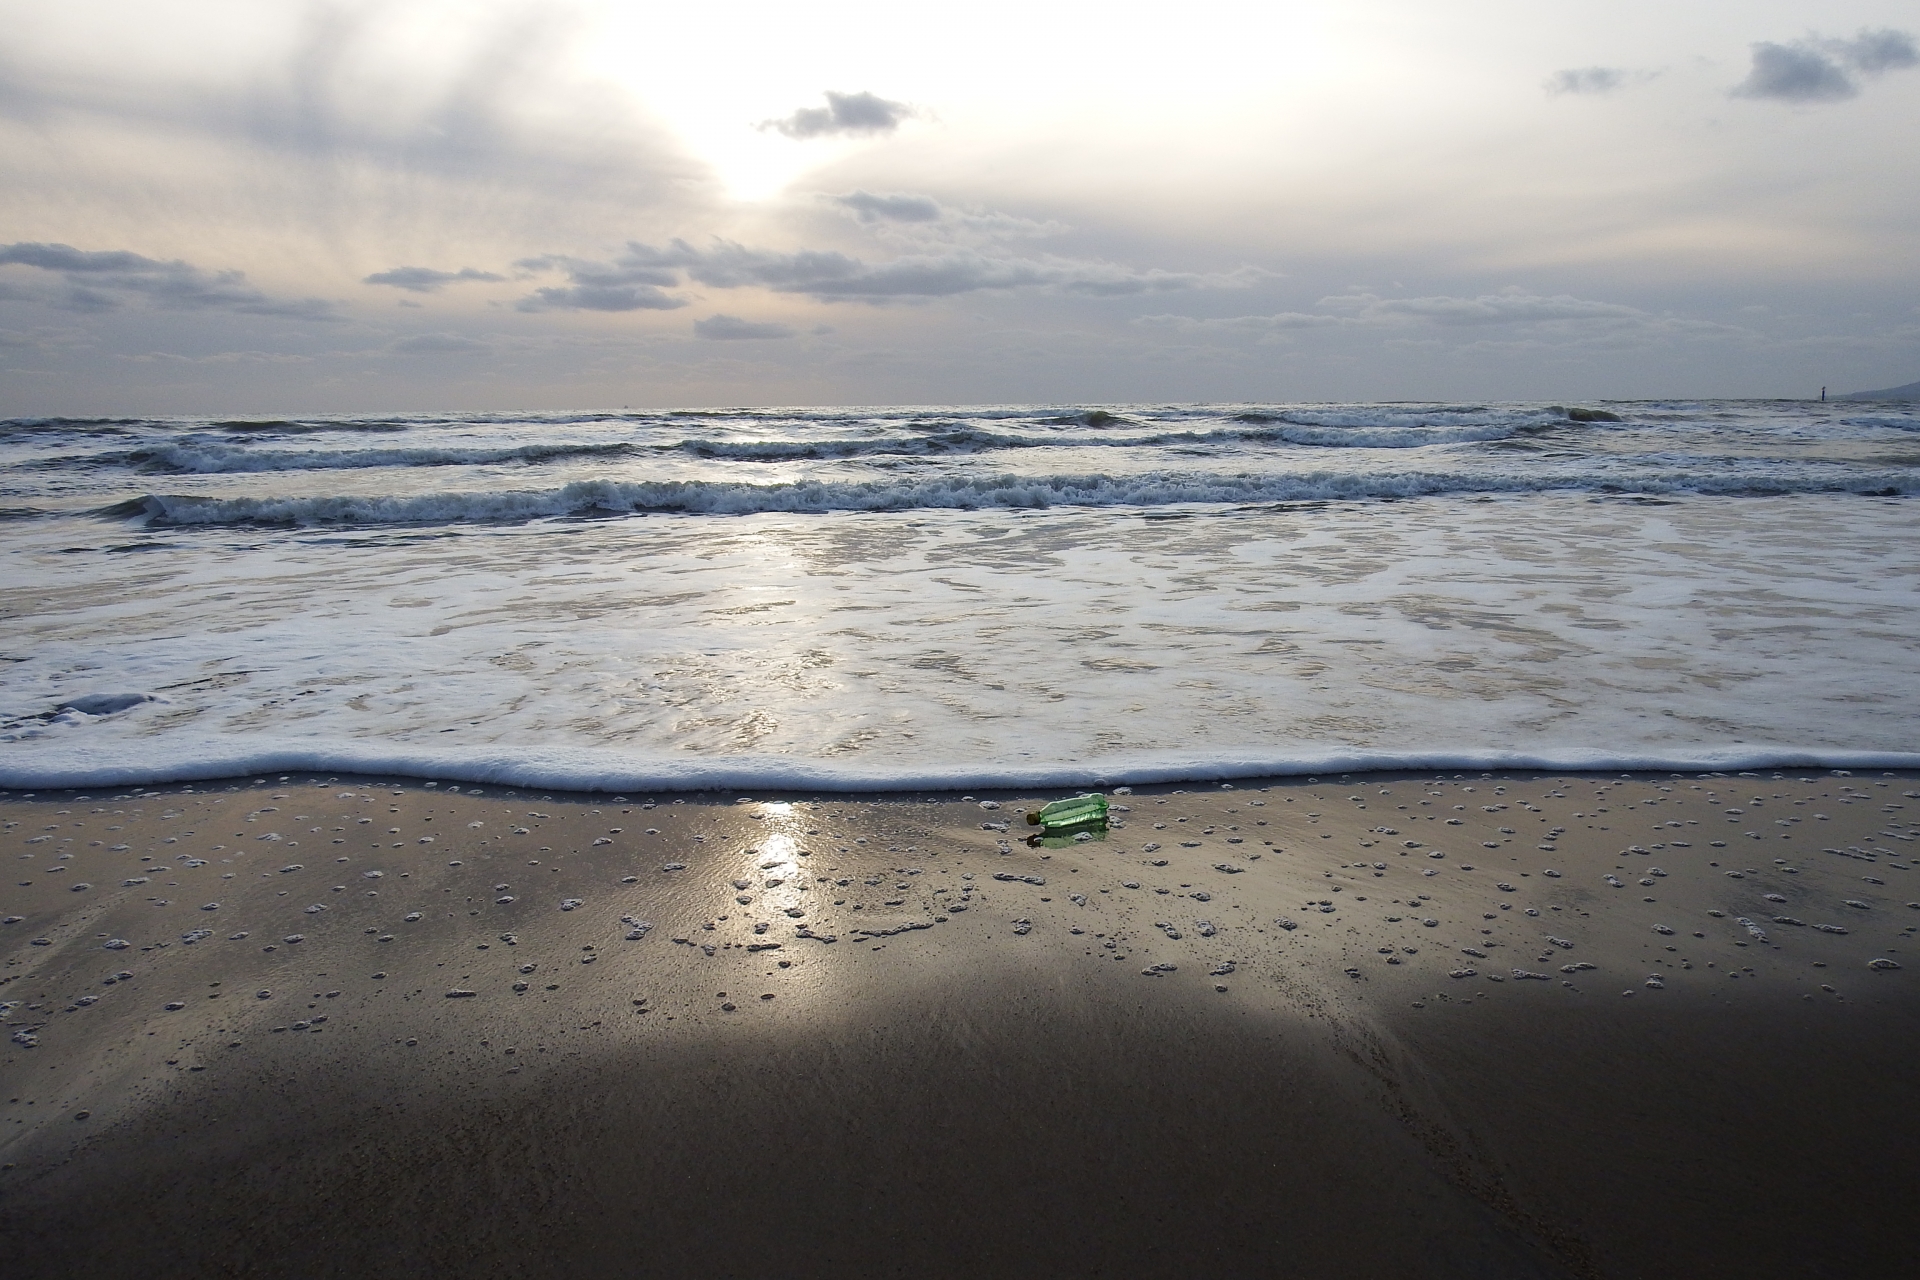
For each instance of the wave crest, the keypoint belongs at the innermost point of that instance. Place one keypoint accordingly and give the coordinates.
(599, 498)
(208, 459)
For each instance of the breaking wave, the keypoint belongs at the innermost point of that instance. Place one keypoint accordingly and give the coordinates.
(600, 498)
(201, 459)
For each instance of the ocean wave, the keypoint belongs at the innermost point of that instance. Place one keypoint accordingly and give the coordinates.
(1088, 418)
(597, 498)
(891, 413)
(34, 766)
(1890, 422)
(255, 427)
(197, 455)
(933, 443)
(964, 440)
(407, 422)
(1397, 436)
(293, 426)
(29, 428)
(205, 459)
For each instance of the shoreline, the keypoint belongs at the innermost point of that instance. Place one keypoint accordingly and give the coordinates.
(1356, 1025)
(596, 772)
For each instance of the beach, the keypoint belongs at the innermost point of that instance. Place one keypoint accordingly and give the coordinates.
(551, 549)
(1508, 1023)
(588, 844)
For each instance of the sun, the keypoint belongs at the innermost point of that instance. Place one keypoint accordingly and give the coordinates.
(721, 109)
(754, 164)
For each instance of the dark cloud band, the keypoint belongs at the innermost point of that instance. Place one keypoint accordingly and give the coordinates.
(893, 208)
(427, 280)
(107, 279)
(635, 280)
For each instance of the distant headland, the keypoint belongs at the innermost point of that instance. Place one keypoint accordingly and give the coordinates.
(1909, 392)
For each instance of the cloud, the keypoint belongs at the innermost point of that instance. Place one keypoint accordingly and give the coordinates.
(1595, 81)
(1274, 330)
(64, 257)
(1876, 51)
(427, 280)
(903, 217)
(1507, 307)
(1586, 80)
(896, 208)
(591, 297)
(1258, 324)
(829, 275)
(1794, 73)
(856, 114)
(595, 286)
(106, 279)
(1814, 69)
(637, 279)
(731, 328)
(1556, 317)
(350, 91)
(438, 344)
(220, 357)
(45, 338)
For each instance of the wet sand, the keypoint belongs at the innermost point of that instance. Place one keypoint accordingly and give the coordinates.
(1487, 1025)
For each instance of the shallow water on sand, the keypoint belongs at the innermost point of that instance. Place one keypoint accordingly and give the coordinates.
(429, 596)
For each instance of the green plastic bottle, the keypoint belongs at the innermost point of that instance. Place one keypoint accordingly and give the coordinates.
(1078, 814)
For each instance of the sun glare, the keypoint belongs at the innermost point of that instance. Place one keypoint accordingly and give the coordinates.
(753, 164)
(1064, 76)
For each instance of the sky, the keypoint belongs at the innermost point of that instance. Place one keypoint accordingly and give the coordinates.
(237, 206)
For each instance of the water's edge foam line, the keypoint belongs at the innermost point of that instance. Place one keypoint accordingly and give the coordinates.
(592, 770)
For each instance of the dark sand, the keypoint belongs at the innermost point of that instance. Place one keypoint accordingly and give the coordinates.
(976, 1075)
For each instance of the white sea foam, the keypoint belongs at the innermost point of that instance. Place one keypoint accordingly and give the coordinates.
(943, 597)
(610, 770)
(976, 648)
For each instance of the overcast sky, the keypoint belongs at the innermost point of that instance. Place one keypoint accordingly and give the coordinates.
(286, 206)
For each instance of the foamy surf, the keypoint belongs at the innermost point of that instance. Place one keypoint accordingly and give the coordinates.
(611, 771)
(1014, 492)
(907, 598)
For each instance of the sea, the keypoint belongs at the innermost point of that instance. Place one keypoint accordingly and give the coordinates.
(1017, 596)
